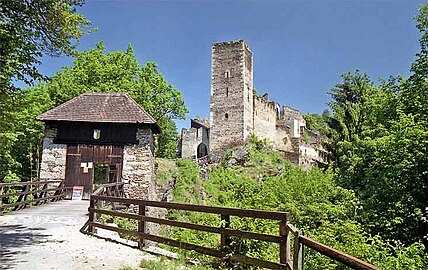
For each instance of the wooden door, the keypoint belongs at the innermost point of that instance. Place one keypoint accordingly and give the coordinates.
(81, 156)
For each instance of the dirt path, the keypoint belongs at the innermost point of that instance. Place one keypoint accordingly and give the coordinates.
(48, 237)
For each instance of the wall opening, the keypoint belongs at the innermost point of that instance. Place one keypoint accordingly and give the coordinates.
(227, 91)
(226, 116)
(101, 175)
(202, 150)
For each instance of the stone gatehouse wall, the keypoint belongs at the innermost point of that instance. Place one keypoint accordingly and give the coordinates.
(53, 158)
(139, 167)
(138, 174)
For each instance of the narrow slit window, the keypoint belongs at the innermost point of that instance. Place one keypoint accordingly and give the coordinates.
(227, 74)
(227, 91)
(226, 116)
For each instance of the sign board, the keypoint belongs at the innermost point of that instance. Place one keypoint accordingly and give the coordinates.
(77, 193)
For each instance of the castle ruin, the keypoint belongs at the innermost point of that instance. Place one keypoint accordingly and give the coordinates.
(236, 112)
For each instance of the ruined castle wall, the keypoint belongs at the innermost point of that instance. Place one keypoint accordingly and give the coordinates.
(293, 119)
(53, 157)
(283, 140)
(265, 119)
(248, 92)
(190, 139)
(230, 106)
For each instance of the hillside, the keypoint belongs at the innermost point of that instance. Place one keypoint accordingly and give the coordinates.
(262, 179)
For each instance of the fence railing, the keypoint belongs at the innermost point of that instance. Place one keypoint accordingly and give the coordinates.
(283, 239)
(114, 189)
(30, 194)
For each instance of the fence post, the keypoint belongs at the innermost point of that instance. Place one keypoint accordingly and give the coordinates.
(224, 239)
(298, 256)
(284, 246)
(141, 226)
(91, 215)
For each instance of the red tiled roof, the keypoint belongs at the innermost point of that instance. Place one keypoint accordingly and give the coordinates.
(100, 108)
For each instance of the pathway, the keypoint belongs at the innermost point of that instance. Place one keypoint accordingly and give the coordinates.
(48, 237)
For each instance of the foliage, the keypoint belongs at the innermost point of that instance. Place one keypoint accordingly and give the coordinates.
(164, 263)
(93, 71)
(98, 71)
(29, 29)
(21, 142)
(128, 224)
(323, 210)
(380, 143)
(318, 122)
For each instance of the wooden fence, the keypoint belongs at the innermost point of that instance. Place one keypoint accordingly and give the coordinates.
(30, 193)
(283, 239)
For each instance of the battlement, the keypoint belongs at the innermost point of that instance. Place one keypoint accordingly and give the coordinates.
(232, 43)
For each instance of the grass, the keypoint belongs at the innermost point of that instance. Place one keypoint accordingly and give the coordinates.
(164, 263)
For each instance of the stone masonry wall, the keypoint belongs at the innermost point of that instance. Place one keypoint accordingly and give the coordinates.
(230, 88)
(138, 167)
(248, 91)
(138, 173)
(53, 157)
(264, 118)
(190, 142)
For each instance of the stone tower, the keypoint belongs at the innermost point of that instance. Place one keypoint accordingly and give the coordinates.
(231, 104)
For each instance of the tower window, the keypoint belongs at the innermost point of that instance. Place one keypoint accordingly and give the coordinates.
(227, 91)
(226, 116)
(227, 74)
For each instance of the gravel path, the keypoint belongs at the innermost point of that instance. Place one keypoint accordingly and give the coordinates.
(48, 237)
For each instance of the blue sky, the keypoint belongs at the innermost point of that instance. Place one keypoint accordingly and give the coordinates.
(300, 48)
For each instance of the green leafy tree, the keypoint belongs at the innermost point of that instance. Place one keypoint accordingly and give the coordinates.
(348, 105)
(96, 70)
(385, 161)
(318, 122)
(29, 30)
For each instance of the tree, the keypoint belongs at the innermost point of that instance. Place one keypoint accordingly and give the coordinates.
(318, 122)
(97, 71)
(31, 28)
(28, 30)
(348, 101)
(381, 146)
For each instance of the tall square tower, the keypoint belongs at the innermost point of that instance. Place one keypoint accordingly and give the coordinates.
(231, 106)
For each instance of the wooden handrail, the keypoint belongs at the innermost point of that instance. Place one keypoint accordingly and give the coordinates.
(285, 229)
(15, 184)
(273, 215)
(40, 191)
(337, 255)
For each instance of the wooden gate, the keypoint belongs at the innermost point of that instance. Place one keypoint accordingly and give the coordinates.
(80, 164)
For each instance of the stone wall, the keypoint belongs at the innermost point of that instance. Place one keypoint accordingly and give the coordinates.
(138, 173)
(190, 141)
(293, 119)
(265, 116)
(138, 167)
(231, 95)
(248, 91)
(283, 139)
(53, 157)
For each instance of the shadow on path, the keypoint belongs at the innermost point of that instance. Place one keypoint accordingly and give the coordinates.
(13, 241)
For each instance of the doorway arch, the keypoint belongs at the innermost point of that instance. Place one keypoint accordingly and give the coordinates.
(202, 150)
